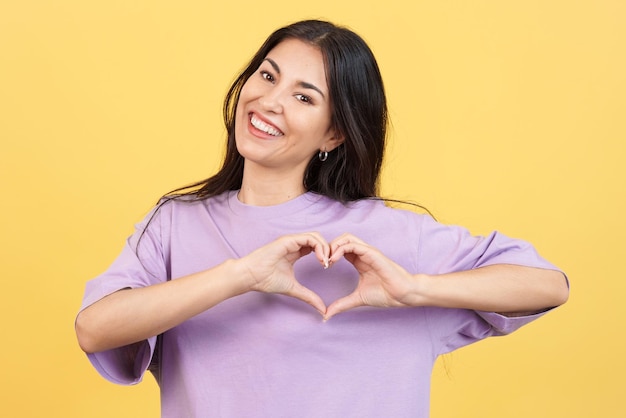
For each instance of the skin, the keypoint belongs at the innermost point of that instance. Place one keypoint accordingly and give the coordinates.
(289, 93)
(273, 173)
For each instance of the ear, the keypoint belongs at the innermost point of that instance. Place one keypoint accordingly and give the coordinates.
(333, 142)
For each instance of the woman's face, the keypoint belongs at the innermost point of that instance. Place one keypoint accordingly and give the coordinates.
(283, 116)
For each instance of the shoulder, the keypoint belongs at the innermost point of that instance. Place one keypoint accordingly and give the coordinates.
(174, 209)
(189, 202)
(373, 213)
(390, 211)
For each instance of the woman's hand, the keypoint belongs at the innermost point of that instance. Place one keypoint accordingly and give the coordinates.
(160, 307)
(382, 282)
(270, 268)
(509, 289)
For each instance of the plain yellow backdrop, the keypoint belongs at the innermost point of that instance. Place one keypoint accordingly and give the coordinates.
(506, 115)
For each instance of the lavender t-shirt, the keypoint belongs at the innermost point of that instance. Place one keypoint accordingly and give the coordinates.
(270, 355)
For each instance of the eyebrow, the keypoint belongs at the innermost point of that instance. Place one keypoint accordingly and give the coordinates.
(303, 84)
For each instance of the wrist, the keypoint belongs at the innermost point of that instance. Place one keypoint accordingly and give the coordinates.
(239, 275)
(420, 290)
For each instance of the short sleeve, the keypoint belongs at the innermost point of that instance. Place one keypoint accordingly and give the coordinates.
(445, 249)
(449, 248)
(142, 262)
(455, 328)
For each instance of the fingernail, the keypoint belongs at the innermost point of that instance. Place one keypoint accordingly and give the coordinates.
(326, 263)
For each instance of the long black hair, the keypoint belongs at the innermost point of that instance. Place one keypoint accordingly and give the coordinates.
(358, 114)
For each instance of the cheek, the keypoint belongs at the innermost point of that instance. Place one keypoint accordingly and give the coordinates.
(251, 88)
(238, 117)
(241, 104)
(319, 125)
(244, 95)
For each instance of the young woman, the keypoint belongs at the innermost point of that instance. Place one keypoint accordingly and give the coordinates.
(241, 276)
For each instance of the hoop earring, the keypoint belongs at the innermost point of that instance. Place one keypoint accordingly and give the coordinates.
(323, 155)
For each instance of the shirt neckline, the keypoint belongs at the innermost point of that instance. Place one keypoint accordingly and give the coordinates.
(287, 208)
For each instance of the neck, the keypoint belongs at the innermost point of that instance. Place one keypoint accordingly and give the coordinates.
(262, 188)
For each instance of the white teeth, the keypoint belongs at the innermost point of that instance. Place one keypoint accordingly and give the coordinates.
(262, 126)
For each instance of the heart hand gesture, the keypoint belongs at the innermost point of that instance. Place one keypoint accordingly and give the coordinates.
(382, 282)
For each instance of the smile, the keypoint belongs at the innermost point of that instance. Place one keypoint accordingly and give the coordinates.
(264, 127)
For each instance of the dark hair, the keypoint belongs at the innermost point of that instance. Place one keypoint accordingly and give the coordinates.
(359, 115)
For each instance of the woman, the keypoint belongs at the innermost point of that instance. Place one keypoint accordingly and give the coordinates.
(224, 272)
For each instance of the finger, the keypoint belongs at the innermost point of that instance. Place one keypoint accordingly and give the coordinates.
(343, 249)
(344, 239)
(351, 301)
(319, 245)
(307, 295)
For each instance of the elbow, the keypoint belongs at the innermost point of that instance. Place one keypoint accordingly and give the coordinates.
(84, 334)
(560, 288)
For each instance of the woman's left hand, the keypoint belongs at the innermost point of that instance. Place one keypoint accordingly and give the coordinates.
(382, 282)
(509, 289)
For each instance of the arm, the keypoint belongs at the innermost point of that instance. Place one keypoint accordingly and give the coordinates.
(511, 289)
(132, 315)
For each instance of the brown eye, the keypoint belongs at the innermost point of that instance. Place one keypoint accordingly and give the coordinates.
(267, 76)
(304, 98)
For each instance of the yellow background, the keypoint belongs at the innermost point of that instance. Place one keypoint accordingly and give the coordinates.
(506, 115)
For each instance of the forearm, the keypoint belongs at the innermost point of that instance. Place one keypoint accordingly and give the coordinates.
(508, 289)
(132, 315)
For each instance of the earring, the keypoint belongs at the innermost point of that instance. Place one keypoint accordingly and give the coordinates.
(323, 155)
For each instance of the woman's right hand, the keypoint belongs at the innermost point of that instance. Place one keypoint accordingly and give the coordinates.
(270, 268)
(157, 308)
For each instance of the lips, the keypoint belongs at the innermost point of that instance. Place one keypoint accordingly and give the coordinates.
(264, 126)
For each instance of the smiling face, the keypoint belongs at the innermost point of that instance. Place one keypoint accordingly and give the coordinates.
(283, 115)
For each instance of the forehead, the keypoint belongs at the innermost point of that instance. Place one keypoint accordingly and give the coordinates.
(299, 59)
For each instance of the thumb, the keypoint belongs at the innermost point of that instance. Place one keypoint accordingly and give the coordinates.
(351, 301)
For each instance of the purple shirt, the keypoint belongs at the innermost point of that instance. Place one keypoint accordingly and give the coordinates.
(270, 355)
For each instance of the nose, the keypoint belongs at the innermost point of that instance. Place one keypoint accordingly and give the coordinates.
(272, 100)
